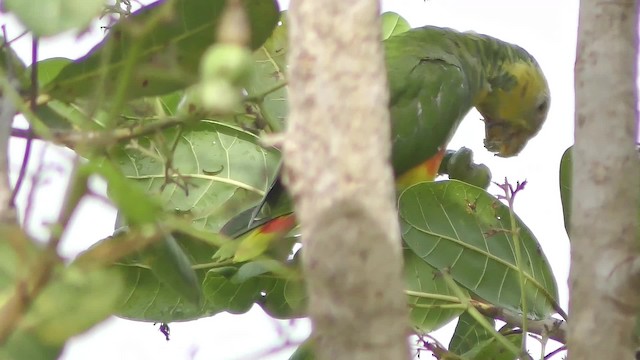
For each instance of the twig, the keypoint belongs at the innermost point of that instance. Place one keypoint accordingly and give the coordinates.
(510, 195)
(555, 352)
(553, 328)
(477, 316)
(104, 138)
(29, 140)
(7, 112)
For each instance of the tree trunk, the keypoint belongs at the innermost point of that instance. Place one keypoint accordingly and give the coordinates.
(336, 156)
(606, 181)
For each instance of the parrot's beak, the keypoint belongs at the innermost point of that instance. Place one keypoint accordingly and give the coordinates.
(503, 138)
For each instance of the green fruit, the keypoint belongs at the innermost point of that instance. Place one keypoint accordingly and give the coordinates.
(229, 62)
(219, 96)
(480, 176)
(460, 166)
(191, 102)
(460, 163)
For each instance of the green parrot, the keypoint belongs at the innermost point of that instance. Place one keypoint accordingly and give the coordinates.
(436, 76)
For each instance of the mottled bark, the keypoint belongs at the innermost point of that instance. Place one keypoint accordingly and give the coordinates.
(336, 152)
(606, 182)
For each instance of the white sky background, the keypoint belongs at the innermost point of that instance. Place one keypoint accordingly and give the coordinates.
(546, 28)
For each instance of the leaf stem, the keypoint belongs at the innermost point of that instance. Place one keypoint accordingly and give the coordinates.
(477, 316)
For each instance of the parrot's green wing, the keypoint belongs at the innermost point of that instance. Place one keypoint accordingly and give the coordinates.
(429, 98)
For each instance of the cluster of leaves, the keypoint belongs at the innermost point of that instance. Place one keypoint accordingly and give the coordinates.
(178, 173)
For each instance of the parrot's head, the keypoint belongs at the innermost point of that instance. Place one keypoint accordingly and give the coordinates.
(515, 106)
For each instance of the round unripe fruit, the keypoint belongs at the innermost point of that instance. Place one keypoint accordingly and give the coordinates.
(219, 96)
(229, 62)
(191, 102)
(480, 176)
(460, 163)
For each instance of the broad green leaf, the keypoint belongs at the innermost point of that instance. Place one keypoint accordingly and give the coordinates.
(492, 349)
(270, 69)
(162, 44)
(566, 176)
(171, 266)
(284, 298)
(48, 69)
(51, 17)
(468, 334)
(150, 299)
(223, 170)
(455, 226)
(233, 297)
(393, 24)
(427, 314)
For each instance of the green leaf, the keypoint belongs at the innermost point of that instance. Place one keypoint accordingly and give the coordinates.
(150, 299)
(427, 314)
(455, 226)
(566, 179)
(51, 17)
(270, 69)
(163, 42)
(468, 334)
(170, 265)
(223, 168)
(492, 349)
(235, 298)
(49, 69)
(393, 24)
(284, 298)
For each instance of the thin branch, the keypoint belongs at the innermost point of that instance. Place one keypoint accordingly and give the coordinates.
(7, 112)
(104, 138)
(555, 329)
(29, 140)
(555, 352)
(510, 195)
(477, 316)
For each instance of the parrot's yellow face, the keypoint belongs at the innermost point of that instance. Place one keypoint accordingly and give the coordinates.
(515, 108)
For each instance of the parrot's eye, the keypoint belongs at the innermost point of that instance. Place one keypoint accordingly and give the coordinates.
(542, 107)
